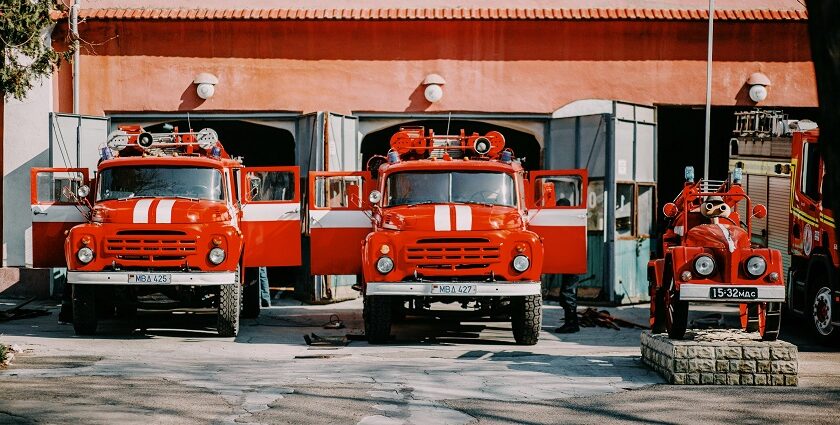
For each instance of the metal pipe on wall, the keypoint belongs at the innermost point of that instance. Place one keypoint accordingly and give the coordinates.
(74, 29)
(708, 90)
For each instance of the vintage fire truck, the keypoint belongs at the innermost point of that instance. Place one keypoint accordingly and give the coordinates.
(450, 219)
(813, 291)
(170, 221)
(708, 257)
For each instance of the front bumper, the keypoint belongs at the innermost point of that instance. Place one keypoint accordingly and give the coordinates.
(178, 278)
(698, 292)
(483, 289)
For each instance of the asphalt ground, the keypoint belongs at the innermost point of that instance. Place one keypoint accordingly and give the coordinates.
(171, 368)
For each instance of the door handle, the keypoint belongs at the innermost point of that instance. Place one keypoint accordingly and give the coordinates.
(38, 211)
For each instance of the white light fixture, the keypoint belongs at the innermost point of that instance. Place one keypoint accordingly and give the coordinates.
(205, 85)
(434, 90)
(758, 83)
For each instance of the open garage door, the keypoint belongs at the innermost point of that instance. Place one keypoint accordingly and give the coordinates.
(75, 140)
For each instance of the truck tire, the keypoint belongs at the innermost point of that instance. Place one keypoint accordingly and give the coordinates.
(659, 324)
(772, 321)
(229, 306)
(820, 315)
(526, 319)
(377, 314)
(251, 295)
(676, 314)
(84, 309)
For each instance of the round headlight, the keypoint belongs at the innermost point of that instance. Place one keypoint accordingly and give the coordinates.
(384, 265)
(756, 266)
(85, 255)
(704, 265)
(216, 256)
(521, 263)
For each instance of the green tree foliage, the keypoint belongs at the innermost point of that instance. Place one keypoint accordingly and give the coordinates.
(26, 56)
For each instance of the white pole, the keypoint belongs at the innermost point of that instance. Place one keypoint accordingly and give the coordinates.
(708, 89)
(74, 29)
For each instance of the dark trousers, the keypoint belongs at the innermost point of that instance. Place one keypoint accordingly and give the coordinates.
(568, 297)
(265, 294)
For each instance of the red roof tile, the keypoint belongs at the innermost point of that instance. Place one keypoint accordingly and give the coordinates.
(444, 14)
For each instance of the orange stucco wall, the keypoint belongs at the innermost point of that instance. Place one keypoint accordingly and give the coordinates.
(489, 66)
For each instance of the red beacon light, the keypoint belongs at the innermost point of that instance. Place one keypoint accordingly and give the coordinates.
(133, 140)
(413, 143)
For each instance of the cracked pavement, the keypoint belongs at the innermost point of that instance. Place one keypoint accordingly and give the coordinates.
(177, 371)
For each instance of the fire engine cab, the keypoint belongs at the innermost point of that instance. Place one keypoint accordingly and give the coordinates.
(169, 221)
(812, 288)
(449, 219)
(708, 256)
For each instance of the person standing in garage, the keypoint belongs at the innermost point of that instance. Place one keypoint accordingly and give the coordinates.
(568, 300)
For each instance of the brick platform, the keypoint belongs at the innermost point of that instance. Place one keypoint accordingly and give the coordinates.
(721, 357)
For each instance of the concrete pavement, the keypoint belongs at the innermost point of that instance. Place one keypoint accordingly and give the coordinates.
(177, 371)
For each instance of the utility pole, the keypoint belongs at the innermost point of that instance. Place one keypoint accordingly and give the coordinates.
(708, 89)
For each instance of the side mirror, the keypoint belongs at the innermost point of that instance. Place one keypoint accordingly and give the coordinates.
(759, 211)
(670, 210)
(254, 184)
(83, 191)
(374, 197)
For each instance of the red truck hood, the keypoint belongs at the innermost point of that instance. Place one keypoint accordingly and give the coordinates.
(723, 236)
(443, 217)
(160, 210)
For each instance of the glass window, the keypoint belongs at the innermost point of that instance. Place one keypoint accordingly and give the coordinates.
(339, 192)
(811, 171)
(566, 191)
(624, 200)
(164, 182)
(271, 185)
(58, 187)
(411, 188)
(595, 205)
(647, 210)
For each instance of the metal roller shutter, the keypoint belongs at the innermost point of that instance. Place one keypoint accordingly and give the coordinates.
(778, 216)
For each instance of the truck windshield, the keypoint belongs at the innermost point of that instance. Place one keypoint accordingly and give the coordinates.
(409, 188)
(188, 182)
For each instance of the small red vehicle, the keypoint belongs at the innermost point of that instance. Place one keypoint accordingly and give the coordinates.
(456, 219)
(171, 222)
(708, 257)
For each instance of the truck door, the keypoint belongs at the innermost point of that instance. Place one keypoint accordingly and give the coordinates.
(55, 210)
(805, 208)
(271, 216)
(339, 221)
(556, 202)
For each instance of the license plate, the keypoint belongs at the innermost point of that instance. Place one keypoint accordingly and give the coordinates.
(453, 289)
(150, 278)
(734, 293)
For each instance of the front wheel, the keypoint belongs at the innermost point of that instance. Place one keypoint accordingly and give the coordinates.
(526, 319)
(84, 309)
(676, 314)
(377, 314)
(229, 306)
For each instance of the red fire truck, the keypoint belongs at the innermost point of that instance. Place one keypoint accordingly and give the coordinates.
(170, 222)
(709, 257)
(455, 219)
(812, 290)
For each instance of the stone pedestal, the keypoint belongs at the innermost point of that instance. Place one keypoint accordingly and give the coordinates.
(721, 357)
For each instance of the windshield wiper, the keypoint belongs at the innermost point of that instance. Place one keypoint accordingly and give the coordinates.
(183, 197)
(486, 204)
(132, 196)
(419, 203)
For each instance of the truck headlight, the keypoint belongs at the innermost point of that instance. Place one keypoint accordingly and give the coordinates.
(384, 265)
(521, 263)
(704, 265)
(216, 256)
(755, 266)
(85, 255)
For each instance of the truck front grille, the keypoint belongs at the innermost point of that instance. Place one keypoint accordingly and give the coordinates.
(452, 253)
(147, 245)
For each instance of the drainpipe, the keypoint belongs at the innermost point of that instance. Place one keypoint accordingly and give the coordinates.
(74, 29)
(709, 89)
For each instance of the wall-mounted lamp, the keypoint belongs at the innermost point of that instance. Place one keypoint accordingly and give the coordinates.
(434, 89)
(758, 83)
(205, 85)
